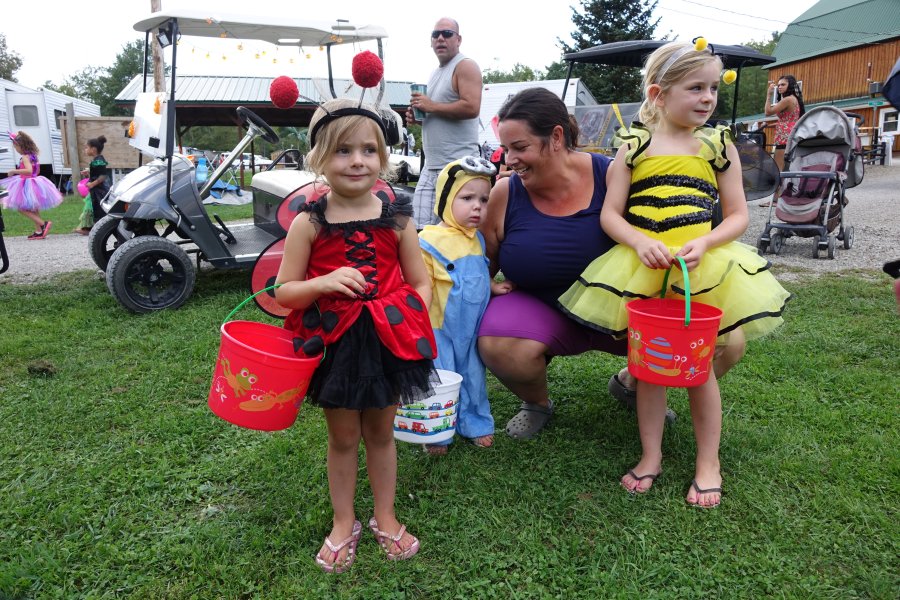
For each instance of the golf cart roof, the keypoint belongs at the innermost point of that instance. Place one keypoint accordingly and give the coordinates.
(275, 29)
(632, 53)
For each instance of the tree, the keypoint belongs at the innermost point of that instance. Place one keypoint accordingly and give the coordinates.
(519, 72)
(754, 85)
(603, 22)
(10, 61)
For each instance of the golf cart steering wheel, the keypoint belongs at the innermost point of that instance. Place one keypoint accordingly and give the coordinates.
(251, 119)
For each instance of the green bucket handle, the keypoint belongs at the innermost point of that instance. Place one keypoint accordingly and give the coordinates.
(246, 300)
(687, 289)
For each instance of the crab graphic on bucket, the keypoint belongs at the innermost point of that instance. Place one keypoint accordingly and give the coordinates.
(259, 381)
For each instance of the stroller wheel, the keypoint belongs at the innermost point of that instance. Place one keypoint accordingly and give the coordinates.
(831, 245)
(761, 246)
(848, 237)
(776, 243)
(816, 240)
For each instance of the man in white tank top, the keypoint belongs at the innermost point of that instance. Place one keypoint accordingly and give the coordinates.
(451, 106)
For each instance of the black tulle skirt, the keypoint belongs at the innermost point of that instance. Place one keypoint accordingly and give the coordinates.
(359, 372)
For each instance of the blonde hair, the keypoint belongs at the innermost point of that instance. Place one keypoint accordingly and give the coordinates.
(660, 71)
(329, 135)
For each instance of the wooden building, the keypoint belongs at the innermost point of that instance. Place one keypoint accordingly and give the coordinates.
(842, 52)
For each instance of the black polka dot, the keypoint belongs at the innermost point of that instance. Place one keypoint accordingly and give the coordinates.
(298, 343)
(424, 348)
(413, 302)
(269, 283)
(313, 345)
(297, 202)
(329, 321)
(393, 314)
(450, 266)
(311, 318)
(383, 196)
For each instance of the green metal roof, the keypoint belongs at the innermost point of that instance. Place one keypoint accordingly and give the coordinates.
(833, 25)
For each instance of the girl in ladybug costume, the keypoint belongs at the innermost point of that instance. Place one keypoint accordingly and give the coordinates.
(355, 282)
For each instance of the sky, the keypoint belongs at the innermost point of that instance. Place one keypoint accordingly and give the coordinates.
(61, 37)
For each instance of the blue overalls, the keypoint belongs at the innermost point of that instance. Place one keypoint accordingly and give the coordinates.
(457, 338)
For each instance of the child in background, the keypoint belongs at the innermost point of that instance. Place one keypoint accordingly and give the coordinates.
(98, 183)
(666, 179)
(355, 281)
(460, 289)
(29, 191)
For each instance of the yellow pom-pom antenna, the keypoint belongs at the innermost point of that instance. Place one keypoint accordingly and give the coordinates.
(730, 76)
(700, 43)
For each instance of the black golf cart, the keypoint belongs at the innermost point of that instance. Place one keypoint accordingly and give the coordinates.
(760, 173)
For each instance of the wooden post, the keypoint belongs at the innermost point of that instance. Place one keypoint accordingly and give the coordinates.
(72, 144)
(159, 81)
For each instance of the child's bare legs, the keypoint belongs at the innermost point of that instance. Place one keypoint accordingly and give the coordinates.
(344, 432)
(34, 216)
(381, 462)
(651, 414)
(706, 414)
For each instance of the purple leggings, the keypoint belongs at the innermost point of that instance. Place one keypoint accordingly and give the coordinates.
(521, 315)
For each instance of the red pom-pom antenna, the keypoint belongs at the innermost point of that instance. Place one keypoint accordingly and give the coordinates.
(283, 92)
(367, 69)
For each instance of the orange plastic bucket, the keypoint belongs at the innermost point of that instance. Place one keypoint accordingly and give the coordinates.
(671, 342)
(259, 382)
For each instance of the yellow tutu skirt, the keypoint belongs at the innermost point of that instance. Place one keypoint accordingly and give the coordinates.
(733, 278)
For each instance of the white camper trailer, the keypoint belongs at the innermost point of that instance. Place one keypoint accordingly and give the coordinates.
(493, 95)
(37, 113)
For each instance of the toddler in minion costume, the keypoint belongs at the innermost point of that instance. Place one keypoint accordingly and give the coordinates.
(461, 286)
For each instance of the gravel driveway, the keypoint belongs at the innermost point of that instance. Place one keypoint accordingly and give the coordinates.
(874, 211)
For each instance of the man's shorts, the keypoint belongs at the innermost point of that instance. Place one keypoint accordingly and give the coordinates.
(423, 199)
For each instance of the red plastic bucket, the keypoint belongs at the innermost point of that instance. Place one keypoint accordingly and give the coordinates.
(671, 342)
(259, 382)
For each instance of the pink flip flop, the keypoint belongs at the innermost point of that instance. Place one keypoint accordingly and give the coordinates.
(387, 541)
(352, 541)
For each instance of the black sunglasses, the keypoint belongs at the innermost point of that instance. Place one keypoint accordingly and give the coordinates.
(445, 33)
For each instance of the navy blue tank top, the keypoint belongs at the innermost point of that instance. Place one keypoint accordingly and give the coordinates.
(544, 254)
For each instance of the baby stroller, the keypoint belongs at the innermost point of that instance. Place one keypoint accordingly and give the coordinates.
(822, 159)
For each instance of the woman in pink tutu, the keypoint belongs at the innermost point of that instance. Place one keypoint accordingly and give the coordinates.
(30, 192)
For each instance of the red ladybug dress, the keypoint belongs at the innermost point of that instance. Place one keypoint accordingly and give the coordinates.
(379, 346)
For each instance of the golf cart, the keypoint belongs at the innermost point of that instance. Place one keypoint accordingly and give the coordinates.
(156, 218)
(759, 170)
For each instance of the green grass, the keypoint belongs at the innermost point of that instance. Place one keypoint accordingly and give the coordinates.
(65, 216)
(117, 481)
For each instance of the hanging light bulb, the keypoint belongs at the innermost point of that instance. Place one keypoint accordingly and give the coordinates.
(207, 55)
(223, 35)
(240, 46)
(257, 55)
(224, 57)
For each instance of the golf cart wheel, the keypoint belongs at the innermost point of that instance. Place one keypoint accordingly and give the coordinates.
(150, 273)
(761, 246)
(106, 237)
(848, 237)
(831, 244)
(816, 240)
(776, 243)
